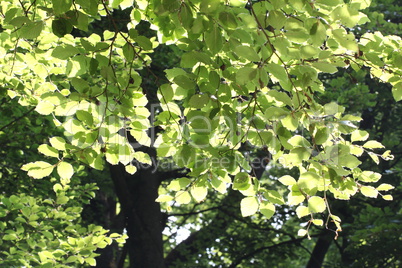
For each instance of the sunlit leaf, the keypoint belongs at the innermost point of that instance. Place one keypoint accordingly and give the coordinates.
(249, 206)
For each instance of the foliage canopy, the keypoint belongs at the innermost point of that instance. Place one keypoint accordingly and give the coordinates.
(249, 76)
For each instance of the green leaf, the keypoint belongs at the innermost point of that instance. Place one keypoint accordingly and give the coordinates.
(247, 53)
(241, 181)
(249, 206)
(61, 6)
(267, 209)
(359, 135)
(199, 193)
(279, 73)
(38, 169)
(64, 52)
(287, 180)
(317, 222)
(65, 170)
(164, 198)
(302, 211)
(276, 19)
(299, 141)
(349, 161)
(388, 197)
(385, 187)
(57, 188)
(61, 27)
(397, 91)
(198, 101)
(48, 151)
(281, 98)
(178, 184)
(186, 16)
(143, 42)
(316, 204)
(209, 6)
(128, 52)
(183, 197)
(90, 6)
(369, 176)
(213, 39)
(274, 197)
(302, 232)
(245, 75)
(44, 107)
(32, 30)
(10, 236)
(290, 122)
(85, 117)
(228, 19)
(58, 143)
(91, 261)
(369, 191)
(374, 157)
(143, 158)
(373, 145)
(321, 136)
(325, 67)
(184, 81)
(275, 113)
(295, 197)
(131, 169)
(166, 93)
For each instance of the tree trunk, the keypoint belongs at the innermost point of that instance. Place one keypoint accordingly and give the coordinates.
(320, 249)
(137, 194)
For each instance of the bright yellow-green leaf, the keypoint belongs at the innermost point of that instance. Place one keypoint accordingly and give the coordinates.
(385, 187)
(359, 135)
(302, 211)
(369, 176)
(308, 181)
(62, 199)
(274, 197)
(267, 209)
(249, 206)
(38, 169)
(318, 222)
(143, 157)
(388, 197)
(369, 191)
(131, 169)
(373, 145)
(91, 261)
(299, 141)
(199, 193)
(374, 156)
(182, 197)
(295, 197)
(65, 170)
(316, 204)
(164, 198)
(48, 151)
(178, 184)
(45, 107)
(302, 232)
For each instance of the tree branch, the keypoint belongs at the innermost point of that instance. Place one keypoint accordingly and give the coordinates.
(17, 119)
(252, 253)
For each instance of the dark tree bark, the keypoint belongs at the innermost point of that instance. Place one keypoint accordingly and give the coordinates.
(320, 249)
(143, 217)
